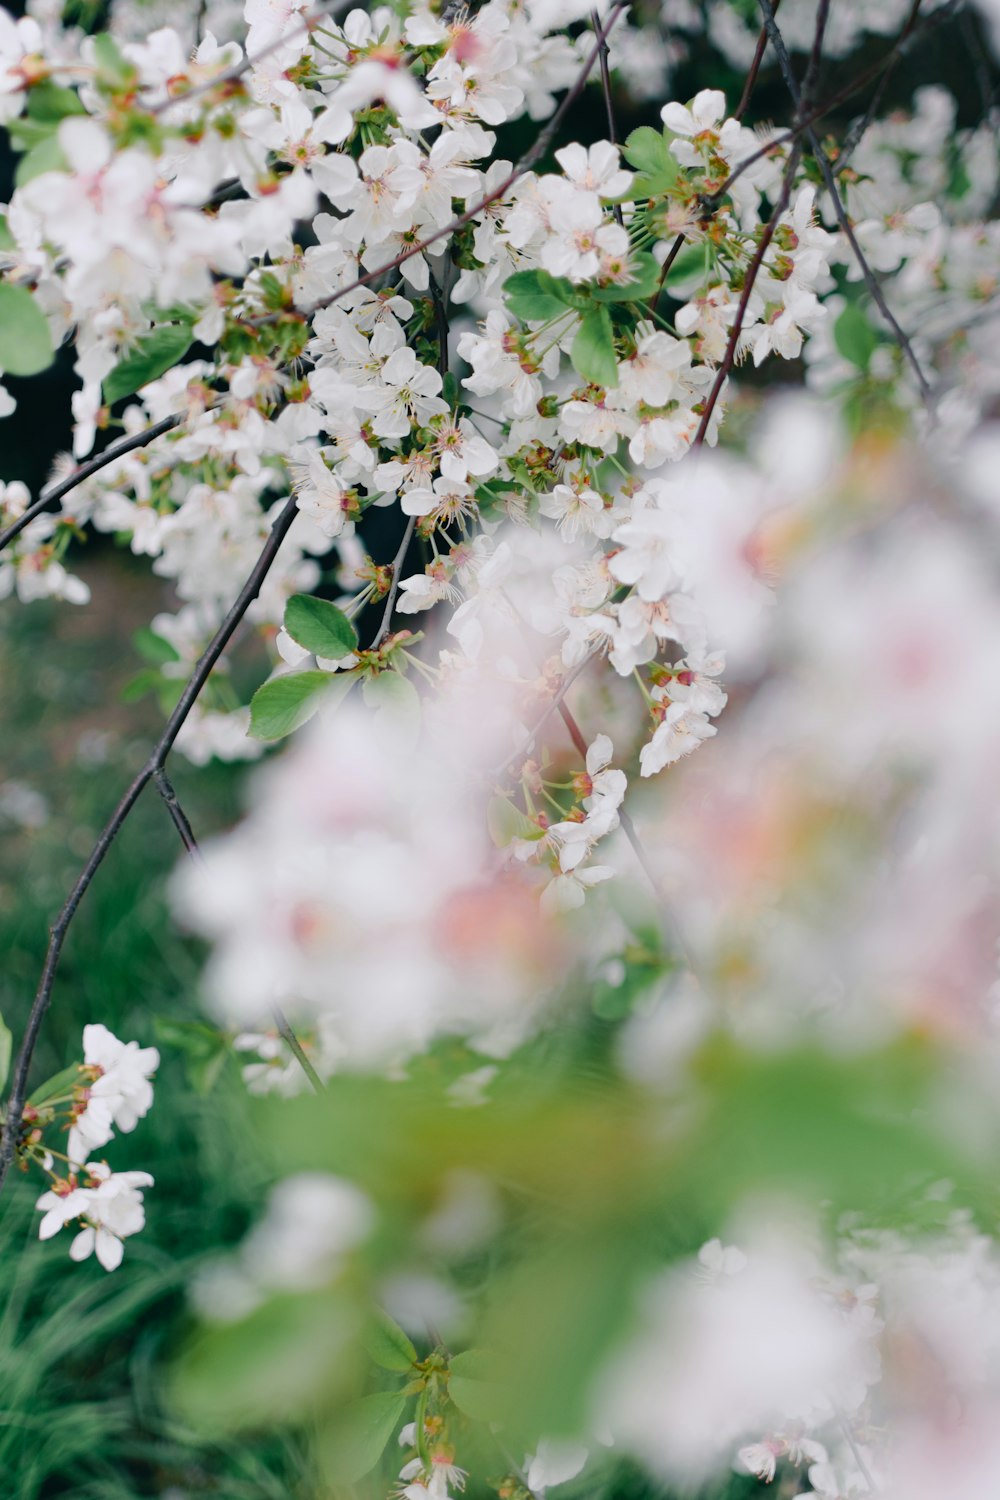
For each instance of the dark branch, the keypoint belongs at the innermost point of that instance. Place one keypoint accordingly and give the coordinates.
(54, 493)
(753, 271)
(149, 772)
(830, 182)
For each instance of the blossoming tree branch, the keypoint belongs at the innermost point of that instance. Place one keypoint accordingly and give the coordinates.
(634, 702)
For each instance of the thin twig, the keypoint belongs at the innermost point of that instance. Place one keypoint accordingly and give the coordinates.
(390, 603)
(19, 1076)
(859, 129)
(295, 1047)
(741, 109)
(898, 50)
(83, 471)
(554, 702)
(753, 271)
(609, 108)
(541, 144)
(815, 53)
(751, 80)
(858, 1456)
(178, 816)
(235, 73)
(830, 182)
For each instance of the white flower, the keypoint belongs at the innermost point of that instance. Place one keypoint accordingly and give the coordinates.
(577, 512)
(650, 558)
(407, 395)
(595, 169)
(680, 732)
(110, 1208)
(120, 1092)
(566, 892)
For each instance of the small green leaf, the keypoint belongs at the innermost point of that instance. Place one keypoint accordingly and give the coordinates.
(320, 627)
(472, 1385)
(50, 101)
(152, 356)
(114, 68)
(25, 340)
(26, 133)
(533, 297)
(506, 822)
(356, 1438)
(55, 1087)
(649, 151)
(204, 1049)
(387, 1343)
(288, 701)
(7, 240)
(146, 681)
(593, 351)
(6, 1046)
(855, 337)
(47, 156)
(152, 647)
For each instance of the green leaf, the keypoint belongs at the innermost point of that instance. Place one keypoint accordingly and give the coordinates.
(146, 681)
(356, 1438)
(45, 157)
(60, 1083)
(204, 1049)
(152, 647)
(507, 822)
(7, 240)
(6, 1045)
(658, 168)
(854, 336)
(639, 289)
(689, 262)
(649, 151)
(320, 627)
(288, 701)
(593, 351)
(26, 133)
(387, 1343)
(25, 340)
(277, 1363)
(472, 1385)
(152, 356)
(50, 101)
(113, 67)
(535, 297)
(450, 389)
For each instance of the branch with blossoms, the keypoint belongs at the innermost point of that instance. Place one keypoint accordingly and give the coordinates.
(464, 444)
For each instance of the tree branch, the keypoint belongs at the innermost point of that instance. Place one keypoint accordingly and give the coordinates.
(830, 182)
(609, 108)
(753, 271)
(541, 144)
(149, 772)
(83, 471)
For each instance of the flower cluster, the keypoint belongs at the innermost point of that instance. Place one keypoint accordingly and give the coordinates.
(110, 1089)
